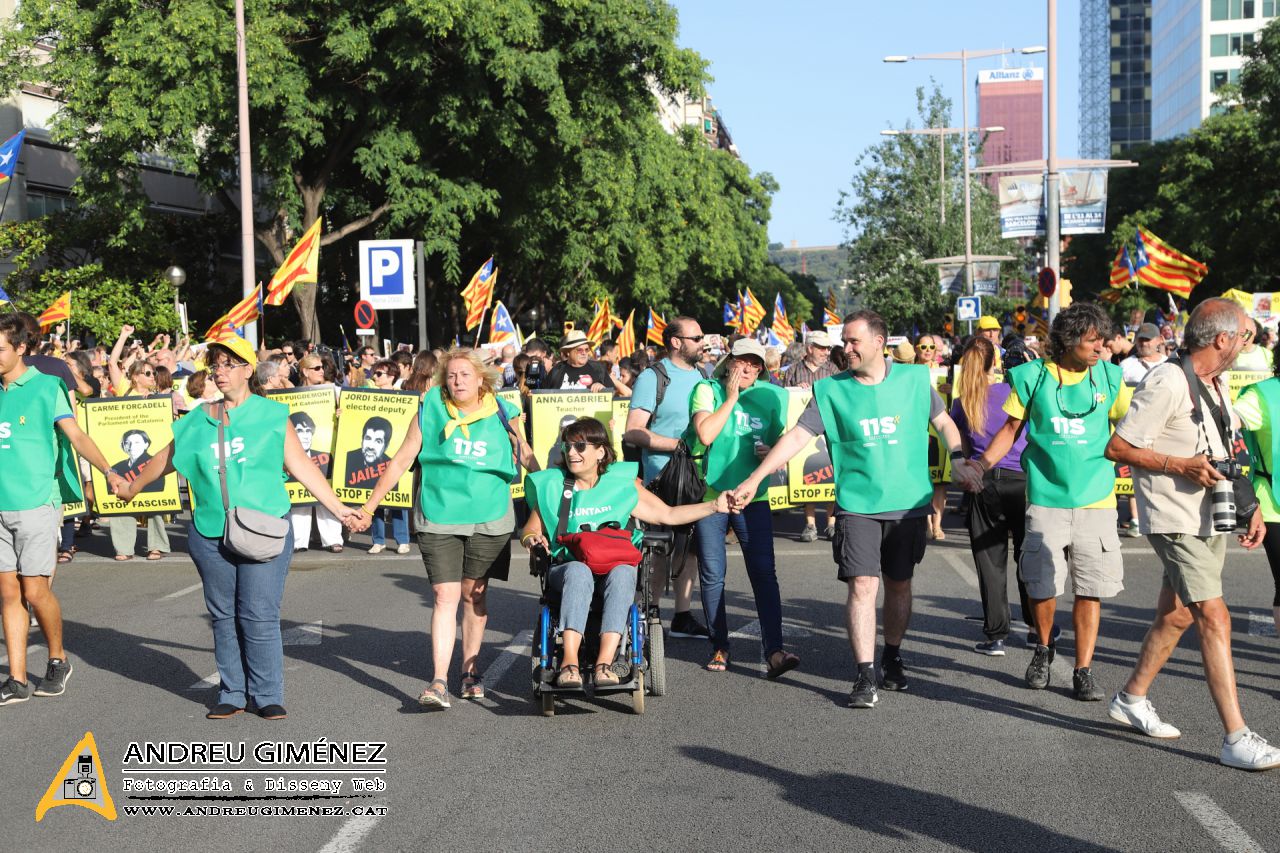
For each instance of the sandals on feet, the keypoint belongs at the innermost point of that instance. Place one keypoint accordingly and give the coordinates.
(719, 661)
(120, 558)
(569, 676)
(67, 555)
(436, 695)
(471, 686)
(781, 662)
(605, 676)
(155, 555)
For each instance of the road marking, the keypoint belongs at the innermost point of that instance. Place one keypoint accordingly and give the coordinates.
(206, 682)
(751, 631)
(1229, 834)
(308, 634)
(1262, 624)
(351, 833)
(519, 647)
(181, 592)
(965, 572)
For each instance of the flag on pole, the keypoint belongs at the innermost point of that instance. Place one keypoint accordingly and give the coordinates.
(1161, 266)
(1122, 271)
(804, 331)
(733, 312)
(781, 327)
(627, 337)
(301, 266)
(478, 293)
(501, 329)
(771, 338)
(9, 151)
(58, 312)
(602, 323)
(242, 314)
(829, 315)
(752, 311)
(657, 323)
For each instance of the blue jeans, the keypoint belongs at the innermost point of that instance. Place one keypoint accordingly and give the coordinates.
(577, 585)
(399, 526)
(244, 600)
(754, 528)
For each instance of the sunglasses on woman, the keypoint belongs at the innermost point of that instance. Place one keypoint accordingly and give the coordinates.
(579, 447)
(926, 347)
(381, 373)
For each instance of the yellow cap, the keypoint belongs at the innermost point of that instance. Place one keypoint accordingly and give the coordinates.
(986, 322)
(238, 346)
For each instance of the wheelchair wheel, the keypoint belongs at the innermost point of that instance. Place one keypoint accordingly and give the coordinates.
(656, 655)
(637, 695)
(548, 701)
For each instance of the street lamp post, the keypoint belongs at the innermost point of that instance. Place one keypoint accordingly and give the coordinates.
(246, 169)
(941, 133)
(177, 276)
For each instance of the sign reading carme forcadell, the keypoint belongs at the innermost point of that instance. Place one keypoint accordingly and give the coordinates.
(387, 273)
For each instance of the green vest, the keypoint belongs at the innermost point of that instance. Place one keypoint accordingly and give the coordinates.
(1064, 458)
(254, 453)
(878, 437)
(611, 499)
(465, 479)
(1268, 391)
(34, 453)
(759, 415)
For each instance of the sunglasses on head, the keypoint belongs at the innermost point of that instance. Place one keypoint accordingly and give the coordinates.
(577, 446)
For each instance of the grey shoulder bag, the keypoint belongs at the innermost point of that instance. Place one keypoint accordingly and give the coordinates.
(254, 535)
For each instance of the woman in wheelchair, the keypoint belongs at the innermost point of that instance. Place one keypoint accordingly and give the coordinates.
(604, 492)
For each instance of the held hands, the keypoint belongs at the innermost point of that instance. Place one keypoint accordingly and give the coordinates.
(741, 496)
(968, 474)
(351, 518)
(120, 487)
(724, 503)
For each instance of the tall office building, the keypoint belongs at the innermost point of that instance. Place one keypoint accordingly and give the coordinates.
(1196, 48)
(1115, 76)
(1012, 98)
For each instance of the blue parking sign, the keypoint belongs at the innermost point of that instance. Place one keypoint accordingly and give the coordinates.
(387, 278)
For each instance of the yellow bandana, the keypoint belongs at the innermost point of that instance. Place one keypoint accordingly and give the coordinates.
(488, 406)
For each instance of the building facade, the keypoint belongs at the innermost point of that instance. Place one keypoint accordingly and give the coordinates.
(680, 110)
(1012, 98)
(1196, 49)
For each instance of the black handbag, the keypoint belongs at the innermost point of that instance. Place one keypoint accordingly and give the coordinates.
(680, 482)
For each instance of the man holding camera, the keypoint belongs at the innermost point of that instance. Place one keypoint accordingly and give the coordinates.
(1176, 438)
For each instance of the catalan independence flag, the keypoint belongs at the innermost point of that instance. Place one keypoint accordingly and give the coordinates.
(733, 312)
(501, 329)
(752, 312)
(1165, 267)
(829, 315)
(1122, 272)
(781, 326)
(478, 294)
(656, 326)
(58, 312)
(9, 151)
(302, 266)
(242, 314)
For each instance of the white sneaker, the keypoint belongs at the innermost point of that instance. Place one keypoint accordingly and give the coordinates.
(1143, 717)
(403, 548)
(1251, 752)
(377, 549)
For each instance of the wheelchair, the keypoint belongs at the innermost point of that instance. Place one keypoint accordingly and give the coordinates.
(640, 663)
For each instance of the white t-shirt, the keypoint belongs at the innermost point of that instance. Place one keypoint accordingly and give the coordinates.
(1134, 369)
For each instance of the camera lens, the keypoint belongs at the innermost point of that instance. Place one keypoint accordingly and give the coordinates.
(1223, 506)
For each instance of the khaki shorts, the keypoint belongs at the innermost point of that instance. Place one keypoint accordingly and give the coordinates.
(1080, 544)
(29, 540)
(449, 558)
(1192, 564)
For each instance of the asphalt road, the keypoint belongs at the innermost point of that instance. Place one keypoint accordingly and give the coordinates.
(967, 759)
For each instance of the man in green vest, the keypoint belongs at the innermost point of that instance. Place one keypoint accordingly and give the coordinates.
(876, 418)
(1067, 404)
(35, 411)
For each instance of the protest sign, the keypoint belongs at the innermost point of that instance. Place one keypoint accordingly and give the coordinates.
(370, 430)
(552, 411)
(129, 430)
(312, 415)
(513, 397)
(811, 476)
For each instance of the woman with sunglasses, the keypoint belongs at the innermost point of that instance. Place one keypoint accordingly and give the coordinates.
(467, 451)
(139, 380)
(927, 351)
(605, 491)
(242, 596)
(385, 375)
(736, 419)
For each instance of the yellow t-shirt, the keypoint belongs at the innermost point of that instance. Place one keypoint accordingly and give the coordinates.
(1014, 408)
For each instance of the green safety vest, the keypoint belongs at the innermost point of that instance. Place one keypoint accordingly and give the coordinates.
(1268, 392)
(34, 453)
(1064, 458)
(759, 415)
(254, 452)
(611, 499)
(878, 437)
(465, 480)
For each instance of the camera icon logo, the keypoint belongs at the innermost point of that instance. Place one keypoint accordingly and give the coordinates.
(80, 781)
(85, 785)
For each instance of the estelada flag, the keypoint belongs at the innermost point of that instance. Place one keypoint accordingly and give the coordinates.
(501, 329)
(244, 313)
(1122, 271)
(656, 326)
(9, 150)
(829, 315)
(1166, 268)
(627, 337)
(781, 326)
(302, 266)
(733, 312)
(752, 311)
(478, 293)
(58, 312)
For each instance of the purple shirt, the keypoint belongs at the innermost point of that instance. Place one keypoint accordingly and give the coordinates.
(996, 417)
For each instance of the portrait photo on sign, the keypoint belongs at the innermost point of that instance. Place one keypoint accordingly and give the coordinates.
(312, 412)
(371, 427)
(130, 430)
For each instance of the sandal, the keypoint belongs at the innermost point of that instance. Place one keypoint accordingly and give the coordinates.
(120, 558)
(605, 676)
(786, 662)
(569, 676)
(435, 697)
(471, 686)
(66, 556)
(155, 555)
(337, 549)
(719, 661)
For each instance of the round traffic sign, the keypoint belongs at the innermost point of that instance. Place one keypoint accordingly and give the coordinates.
(1048, 282)
(365, 315)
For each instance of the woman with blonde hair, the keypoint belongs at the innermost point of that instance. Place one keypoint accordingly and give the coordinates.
(999, 510)
(466, 441)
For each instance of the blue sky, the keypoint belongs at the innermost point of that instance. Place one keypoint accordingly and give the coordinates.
(804, 90)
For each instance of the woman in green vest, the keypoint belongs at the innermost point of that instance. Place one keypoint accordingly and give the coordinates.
(242, 596)
(1259, 409)
(604, 491)
(466, 447)
(737, 419)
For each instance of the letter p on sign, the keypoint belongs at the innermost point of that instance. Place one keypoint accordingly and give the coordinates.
(387, 273)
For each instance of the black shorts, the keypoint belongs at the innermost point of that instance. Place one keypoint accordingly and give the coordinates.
(867, 547)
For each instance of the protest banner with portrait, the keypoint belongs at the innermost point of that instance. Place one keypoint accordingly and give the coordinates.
(129, 430)
(811, 476)
(312, 415)
(552, 411)
(513, 397)
(371, 427)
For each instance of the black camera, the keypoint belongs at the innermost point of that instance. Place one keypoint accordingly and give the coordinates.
(534, 373)
(1228, 468)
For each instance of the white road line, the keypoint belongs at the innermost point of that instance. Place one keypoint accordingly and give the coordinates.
(351, 833)
(966, 573)
(517, 649)
(1262, 624)
(751, 631)
(1221, 828)
(181, 592)
(308, 634)
(205, 683)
